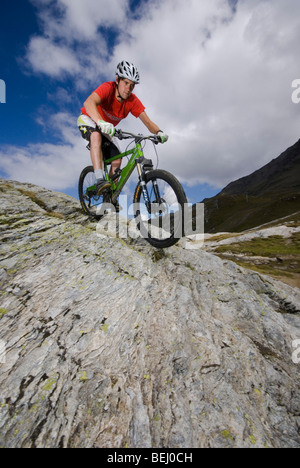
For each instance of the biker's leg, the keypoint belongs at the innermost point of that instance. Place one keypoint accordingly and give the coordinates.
(91, 133)
(97, 160)
(96, 150)
(97, 154)
(113, 149)
(114, 166)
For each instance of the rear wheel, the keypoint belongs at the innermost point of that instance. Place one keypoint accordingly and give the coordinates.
(91, 202)
(160, 219)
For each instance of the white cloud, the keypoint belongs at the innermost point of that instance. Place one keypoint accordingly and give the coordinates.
(84, 18)
(72, 41)
(77, 20)
(217, 80)
(50, 59)
(55, 166)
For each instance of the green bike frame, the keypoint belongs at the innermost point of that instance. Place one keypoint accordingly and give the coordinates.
(126, 171)
(136, 152)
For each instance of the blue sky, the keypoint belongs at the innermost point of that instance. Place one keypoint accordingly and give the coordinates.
(216, 75)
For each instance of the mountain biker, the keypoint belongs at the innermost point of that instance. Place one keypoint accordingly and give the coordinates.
(103, 110)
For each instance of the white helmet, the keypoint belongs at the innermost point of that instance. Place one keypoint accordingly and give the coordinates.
(129, 71)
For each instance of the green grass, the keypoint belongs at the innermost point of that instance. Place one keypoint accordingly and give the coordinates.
(282, 256)
(237, 213)
(274, 246)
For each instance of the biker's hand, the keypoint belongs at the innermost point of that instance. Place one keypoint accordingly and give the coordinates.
(163, 136)
(106, 128)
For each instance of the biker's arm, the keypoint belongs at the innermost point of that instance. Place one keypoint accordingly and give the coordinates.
(91, 106)
(152, 127)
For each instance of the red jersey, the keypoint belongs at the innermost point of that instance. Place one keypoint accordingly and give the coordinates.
(113, 111)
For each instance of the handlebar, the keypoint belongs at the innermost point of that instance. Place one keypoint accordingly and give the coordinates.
(127, 135)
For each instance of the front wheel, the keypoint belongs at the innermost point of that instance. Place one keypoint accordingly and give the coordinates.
(159, 209)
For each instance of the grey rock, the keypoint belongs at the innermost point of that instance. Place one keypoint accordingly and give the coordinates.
(110, 343)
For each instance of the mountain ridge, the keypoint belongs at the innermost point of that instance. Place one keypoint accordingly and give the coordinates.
(271, 192)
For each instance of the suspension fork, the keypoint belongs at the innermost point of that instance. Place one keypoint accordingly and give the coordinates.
(156, 191)
(141, 175)
(158, 200)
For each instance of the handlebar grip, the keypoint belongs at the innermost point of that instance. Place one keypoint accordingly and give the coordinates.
(156, 139)
(125, 135)
(118, 134)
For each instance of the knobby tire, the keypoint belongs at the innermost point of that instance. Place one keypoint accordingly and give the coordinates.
(171, 180)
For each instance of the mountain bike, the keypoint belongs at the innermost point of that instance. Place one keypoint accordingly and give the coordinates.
(158, 201)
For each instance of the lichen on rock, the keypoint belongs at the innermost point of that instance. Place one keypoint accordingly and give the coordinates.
(108, 344)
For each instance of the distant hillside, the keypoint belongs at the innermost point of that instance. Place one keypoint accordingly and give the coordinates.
(269, 193)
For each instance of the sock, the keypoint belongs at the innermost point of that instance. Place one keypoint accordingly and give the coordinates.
(100, 174)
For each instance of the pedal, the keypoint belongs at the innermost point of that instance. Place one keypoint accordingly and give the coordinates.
(103, 189)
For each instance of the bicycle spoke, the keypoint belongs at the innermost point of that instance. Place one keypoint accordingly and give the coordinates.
(165, 209)
(90, 201)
